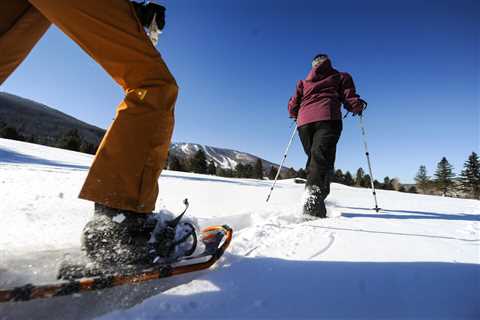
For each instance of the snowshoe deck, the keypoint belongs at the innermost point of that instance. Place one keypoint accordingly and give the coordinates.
(216, 240)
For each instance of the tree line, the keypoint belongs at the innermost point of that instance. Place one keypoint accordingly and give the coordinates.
(199, 164)
(444, 182)
(447, 183)
(71, 140)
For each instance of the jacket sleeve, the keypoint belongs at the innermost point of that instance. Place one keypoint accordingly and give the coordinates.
(351, 100)
(295, 101)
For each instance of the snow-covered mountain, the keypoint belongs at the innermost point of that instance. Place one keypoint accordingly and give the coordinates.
(419, 258)
(223, 158)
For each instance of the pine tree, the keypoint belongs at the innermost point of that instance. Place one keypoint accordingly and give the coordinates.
(444, 176)
(226, 173)
(198, 164)
(212, 169)
(71, 141)
(338, 176)
(422, 180)
(8, 132)
(240, 170)
(302, 173)
(387, 183)
(470, 176)
(249, 171)
(348, 179)
(258, 172)
(175, 164)
(359, 177)
(377, 184)
(87, 147)
(412, 189)
(272, 173)
(366, 181)
(291, 173)
(402, 189)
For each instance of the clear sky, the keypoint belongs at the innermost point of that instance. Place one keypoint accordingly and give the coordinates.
(415, 62)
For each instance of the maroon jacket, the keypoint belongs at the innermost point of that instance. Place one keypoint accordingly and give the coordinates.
(321, 94)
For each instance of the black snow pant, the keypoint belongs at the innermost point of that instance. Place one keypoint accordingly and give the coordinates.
(319, 141)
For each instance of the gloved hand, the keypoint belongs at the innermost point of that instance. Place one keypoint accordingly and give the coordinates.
(293, 114)
(145, 14)
(359, 107)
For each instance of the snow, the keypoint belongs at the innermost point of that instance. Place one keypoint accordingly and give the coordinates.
(418, 258)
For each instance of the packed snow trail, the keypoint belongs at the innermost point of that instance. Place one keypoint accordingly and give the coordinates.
(419, 258)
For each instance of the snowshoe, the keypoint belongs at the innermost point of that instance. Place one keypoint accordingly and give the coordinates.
(124, 248)
(215, 240)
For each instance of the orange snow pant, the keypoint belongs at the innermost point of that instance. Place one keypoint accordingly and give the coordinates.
(131, 156)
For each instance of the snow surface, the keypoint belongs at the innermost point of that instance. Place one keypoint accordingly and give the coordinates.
(418, 258)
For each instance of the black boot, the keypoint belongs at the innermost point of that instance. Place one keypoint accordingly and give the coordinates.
(116, 237)
(314, 204)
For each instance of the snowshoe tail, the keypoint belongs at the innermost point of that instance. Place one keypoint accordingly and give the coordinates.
(216, 240)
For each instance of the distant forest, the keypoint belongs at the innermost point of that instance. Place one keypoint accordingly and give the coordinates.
(444, 181)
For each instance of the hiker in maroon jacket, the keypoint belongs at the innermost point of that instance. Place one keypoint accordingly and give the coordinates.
(316, 108)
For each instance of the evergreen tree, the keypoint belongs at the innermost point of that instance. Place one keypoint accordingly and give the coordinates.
(291, 173)
(86, 147)
(272, 173)
(302, 173)
(377, 184)
(412, 189)
(359, 177)
(422, 180)
(226, 173)
(248, 171)
(338, 176)
(387, 183)
(366, 181)
(8, 132)
(444, 176)
(175, 164)
(348, 179)
(212, 169)
(240, 170)
(31, 139)
(198, 164)
(258, 172)
(470, 176)
(71, 141)
(402, 189)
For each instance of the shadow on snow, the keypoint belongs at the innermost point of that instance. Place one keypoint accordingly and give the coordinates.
(410, 214)
(276, 288)
(9, 156)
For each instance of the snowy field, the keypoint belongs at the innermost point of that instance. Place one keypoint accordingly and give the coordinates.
(419, 258)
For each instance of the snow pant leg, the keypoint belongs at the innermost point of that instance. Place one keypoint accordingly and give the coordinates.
(21, 26)
(130, 158)
(320, 140)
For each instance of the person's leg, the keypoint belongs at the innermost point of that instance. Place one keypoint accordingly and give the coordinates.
(133, 152)
(323, 151)
(21, 26)
(321, 165)
(306, 136)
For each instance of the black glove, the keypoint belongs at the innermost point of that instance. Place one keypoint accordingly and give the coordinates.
(361, 108)
(146, 12)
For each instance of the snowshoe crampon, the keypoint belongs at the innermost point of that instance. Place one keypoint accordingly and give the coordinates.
(216, 240)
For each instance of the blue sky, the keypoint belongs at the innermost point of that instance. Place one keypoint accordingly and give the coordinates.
(237, 62)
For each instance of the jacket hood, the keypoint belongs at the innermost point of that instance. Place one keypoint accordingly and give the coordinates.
(320, 71)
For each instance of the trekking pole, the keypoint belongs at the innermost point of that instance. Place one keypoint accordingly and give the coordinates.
(283, 160)
(362, 127)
